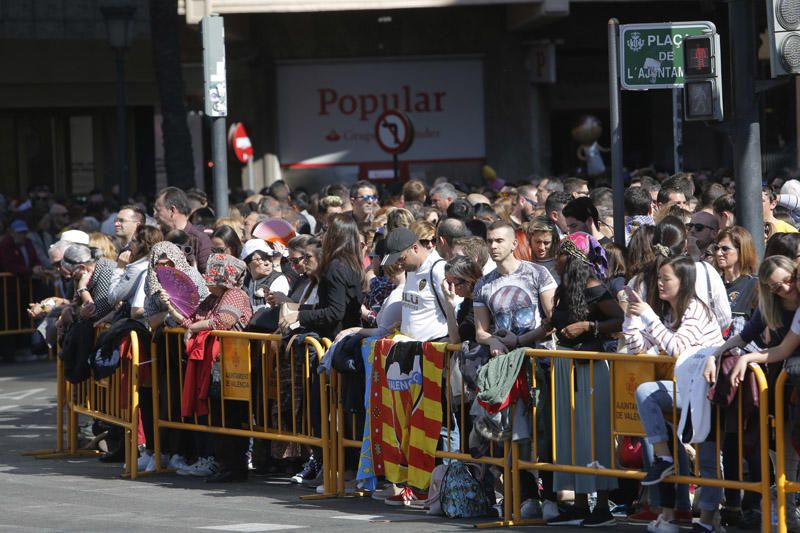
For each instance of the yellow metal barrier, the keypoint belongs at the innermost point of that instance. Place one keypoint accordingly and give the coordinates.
(115, 400)
(256, 373)
(451, 412)
(16, 292)
(613, 470)
(784, 487)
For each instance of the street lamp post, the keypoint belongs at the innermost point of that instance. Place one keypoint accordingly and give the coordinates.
(119, 23)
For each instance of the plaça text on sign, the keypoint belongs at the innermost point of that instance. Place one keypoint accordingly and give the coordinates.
(650, 54)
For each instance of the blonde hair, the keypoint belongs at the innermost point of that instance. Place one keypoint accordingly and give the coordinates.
(103, 244)
(399, 218)
(235, 225)
(423, 229)
(768, 303)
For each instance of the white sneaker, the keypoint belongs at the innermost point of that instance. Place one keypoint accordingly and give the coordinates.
(659, 525)
(203, 467)
(531, 509)
(549, 510)
(387, 492)
(177, 462)
(151, 465)
(144, 460)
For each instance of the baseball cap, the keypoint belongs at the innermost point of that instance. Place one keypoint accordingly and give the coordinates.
(19, 226)
(398, 241)
(76, 236)
(255, 245)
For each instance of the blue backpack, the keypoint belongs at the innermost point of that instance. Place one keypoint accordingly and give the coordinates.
(462, 495)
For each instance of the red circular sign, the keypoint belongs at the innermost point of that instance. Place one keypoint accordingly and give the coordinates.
(394, 132)
(240, 142)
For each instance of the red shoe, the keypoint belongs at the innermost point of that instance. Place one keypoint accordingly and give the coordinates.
(644, 515)
(409, 498)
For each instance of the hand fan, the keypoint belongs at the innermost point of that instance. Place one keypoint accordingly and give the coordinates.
(181, 289)
(274, 230)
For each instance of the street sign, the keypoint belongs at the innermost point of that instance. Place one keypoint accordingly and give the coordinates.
(394, 132)
(651, 55)
(240, 142)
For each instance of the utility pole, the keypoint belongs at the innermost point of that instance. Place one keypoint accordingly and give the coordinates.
(746, 128)
(617, 180)
(216, 104)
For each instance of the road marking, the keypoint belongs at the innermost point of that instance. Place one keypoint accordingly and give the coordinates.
(362, 517)
(20, 395)
(33, 436)
(8, 407)
(253, 527)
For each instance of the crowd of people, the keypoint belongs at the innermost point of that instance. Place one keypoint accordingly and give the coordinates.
(492, 267)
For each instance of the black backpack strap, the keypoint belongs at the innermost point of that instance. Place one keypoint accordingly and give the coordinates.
(433, 287)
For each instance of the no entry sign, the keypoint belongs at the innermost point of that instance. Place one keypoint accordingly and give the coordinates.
(394, 132)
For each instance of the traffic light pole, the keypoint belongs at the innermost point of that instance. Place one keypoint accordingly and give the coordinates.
(746, 128)
(617, 182)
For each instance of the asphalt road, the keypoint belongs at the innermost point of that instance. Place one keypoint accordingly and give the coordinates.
(82, 494)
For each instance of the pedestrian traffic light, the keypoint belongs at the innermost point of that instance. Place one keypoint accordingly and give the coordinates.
(702, 86)
(783, 28)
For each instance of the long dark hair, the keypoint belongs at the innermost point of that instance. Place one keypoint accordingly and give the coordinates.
(572, 288)
(231, 239)
(669, 241)
(640, 251)
(686, 272)
(341, 242)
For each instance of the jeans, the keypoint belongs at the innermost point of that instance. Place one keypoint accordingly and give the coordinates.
(652, 399)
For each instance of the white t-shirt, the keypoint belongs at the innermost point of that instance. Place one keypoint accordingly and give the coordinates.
(391, 311)
(423, 319)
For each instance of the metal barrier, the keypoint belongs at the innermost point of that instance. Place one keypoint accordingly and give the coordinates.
(254, 373)
(784, 487)
(613, 470)
(115, 400)
(16, 292)
(459, 412)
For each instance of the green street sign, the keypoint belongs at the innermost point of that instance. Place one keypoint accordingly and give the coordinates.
(650, 55)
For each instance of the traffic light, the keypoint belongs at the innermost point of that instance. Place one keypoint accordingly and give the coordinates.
(702, 86)
(783, 27)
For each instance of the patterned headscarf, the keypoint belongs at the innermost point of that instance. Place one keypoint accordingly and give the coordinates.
(584, 247)
(178, 258)
(225, 271)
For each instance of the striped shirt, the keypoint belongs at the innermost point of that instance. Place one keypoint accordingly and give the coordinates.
(648, 334)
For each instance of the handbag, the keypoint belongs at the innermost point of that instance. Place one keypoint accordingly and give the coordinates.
(723, 392)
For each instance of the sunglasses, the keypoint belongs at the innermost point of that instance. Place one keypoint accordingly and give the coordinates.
(296, 260)
(217, 250)
(188, 249)
(533, 203)
(426, 242)
(775, 287)
(725, 249)
(698, 227)
(366, 198)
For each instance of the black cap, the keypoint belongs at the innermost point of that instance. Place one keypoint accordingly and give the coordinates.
(398, 241)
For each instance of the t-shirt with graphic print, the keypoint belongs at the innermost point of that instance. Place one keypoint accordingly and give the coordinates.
(513, 299)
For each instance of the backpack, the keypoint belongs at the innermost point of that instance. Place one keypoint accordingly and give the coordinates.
(461, 494)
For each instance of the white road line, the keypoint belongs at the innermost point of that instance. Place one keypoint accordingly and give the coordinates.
(360, 517)
(8, 407)
(20, 395)
(253, 527)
